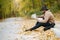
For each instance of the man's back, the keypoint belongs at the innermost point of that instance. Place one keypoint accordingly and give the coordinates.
(50, 16)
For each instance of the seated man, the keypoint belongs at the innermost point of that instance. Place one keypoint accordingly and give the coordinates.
(47, 22)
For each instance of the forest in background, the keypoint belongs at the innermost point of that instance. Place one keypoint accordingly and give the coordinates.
(25, 8)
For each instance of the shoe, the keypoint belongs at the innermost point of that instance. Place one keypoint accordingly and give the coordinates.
(28, 30)
(45, 29)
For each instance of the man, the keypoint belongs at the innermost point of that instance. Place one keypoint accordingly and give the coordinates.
(47, 22)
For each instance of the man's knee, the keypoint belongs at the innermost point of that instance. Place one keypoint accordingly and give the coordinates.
(52, 25)
(48, 27)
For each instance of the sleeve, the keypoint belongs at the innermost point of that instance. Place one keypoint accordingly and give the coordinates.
(46, 18)
(41, 16)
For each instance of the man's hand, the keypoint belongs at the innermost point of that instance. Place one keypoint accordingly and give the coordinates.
(39, 19)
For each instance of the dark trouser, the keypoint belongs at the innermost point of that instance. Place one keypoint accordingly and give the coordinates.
(46, 25)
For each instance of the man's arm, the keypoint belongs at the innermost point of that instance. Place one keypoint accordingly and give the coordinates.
(46, 18)
(41, 16)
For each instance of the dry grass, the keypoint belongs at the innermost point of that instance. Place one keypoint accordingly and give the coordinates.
(47, 35)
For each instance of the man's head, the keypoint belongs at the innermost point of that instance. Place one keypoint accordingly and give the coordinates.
(44, 8)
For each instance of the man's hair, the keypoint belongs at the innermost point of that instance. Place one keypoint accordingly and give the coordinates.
(44, 7)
